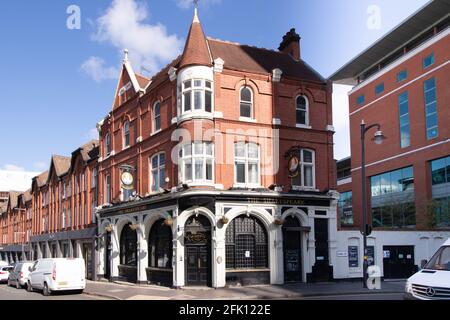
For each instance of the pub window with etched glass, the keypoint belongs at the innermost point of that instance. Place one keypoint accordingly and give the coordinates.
(302, 169)
(160, 246)
(128, 246)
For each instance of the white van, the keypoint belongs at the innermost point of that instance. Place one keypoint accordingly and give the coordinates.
(61, 274)
(433, 281)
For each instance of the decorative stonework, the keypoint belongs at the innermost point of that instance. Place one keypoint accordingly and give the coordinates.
(276, 75)
(218, 65)
(172, 74)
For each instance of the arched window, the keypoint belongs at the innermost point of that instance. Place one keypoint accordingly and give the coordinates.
(126, 134)
(128, 246)
(246, 102)
(302, 112)
(158, 163)
(160, 246)
(157, 117)
(246, 244)
(108, 144)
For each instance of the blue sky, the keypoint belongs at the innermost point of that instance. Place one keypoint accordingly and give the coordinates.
(57, 83)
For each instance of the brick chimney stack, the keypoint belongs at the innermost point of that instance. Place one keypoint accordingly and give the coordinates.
(291, 44)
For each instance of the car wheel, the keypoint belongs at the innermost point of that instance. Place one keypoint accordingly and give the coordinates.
(46, 292)
(29, 287)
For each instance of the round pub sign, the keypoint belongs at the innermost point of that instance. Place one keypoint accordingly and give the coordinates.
(127, 180)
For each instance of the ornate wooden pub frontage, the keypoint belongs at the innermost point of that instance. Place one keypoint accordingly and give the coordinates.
(197, 237)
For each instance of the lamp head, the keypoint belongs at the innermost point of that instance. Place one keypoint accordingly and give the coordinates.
(379, 137)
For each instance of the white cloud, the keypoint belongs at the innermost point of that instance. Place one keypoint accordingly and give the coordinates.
(40, 166)
(16, 180)
(124, 25)
(12, 167)
(185, 4)
(341, 121)
(96, 69)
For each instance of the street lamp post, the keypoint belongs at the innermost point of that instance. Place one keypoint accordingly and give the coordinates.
(378, 139)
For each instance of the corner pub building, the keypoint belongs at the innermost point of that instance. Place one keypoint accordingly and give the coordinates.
(219, 169)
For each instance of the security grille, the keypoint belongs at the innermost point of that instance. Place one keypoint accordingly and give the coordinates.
(246, 244)
(245, 251)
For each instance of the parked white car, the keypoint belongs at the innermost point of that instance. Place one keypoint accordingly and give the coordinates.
(4, 264)
(61, 274)
(433, 281)
(19, 276)
(4, 273)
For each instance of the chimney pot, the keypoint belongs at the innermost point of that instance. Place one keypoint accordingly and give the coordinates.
(291, 44)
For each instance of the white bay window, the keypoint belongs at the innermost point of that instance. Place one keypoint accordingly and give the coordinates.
(196, 96)
(197, 163)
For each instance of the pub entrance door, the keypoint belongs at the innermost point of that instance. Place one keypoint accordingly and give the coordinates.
(198, 251)
(292, 250)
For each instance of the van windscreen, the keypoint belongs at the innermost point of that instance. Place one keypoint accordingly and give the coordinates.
(441, 260)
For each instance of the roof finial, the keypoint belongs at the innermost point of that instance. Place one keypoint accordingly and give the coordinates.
(125, 57)
(196, 19)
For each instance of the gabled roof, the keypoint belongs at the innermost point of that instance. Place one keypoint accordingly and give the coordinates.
(142, 80)
(3, 207)
(60, 164)
(12, 200)
(135, 80)
(89, 151)
(41, 180)
(25, 197)
(252, 59)
(196, 50)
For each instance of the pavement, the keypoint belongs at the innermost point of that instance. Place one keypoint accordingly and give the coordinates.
(329, 290)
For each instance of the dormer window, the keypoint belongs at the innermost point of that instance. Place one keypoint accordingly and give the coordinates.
(197, 96)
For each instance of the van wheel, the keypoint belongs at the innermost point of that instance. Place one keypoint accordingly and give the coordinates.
(46, 292)
(29, 287)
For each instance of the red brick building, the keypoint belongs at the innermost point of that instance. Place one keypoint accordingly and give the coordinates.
(15, 222)
(401, 83)
(64, 202)
(219, 168)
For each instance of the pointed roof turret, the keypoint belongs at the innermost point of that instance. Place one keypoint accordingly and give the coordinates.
(196, 51)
